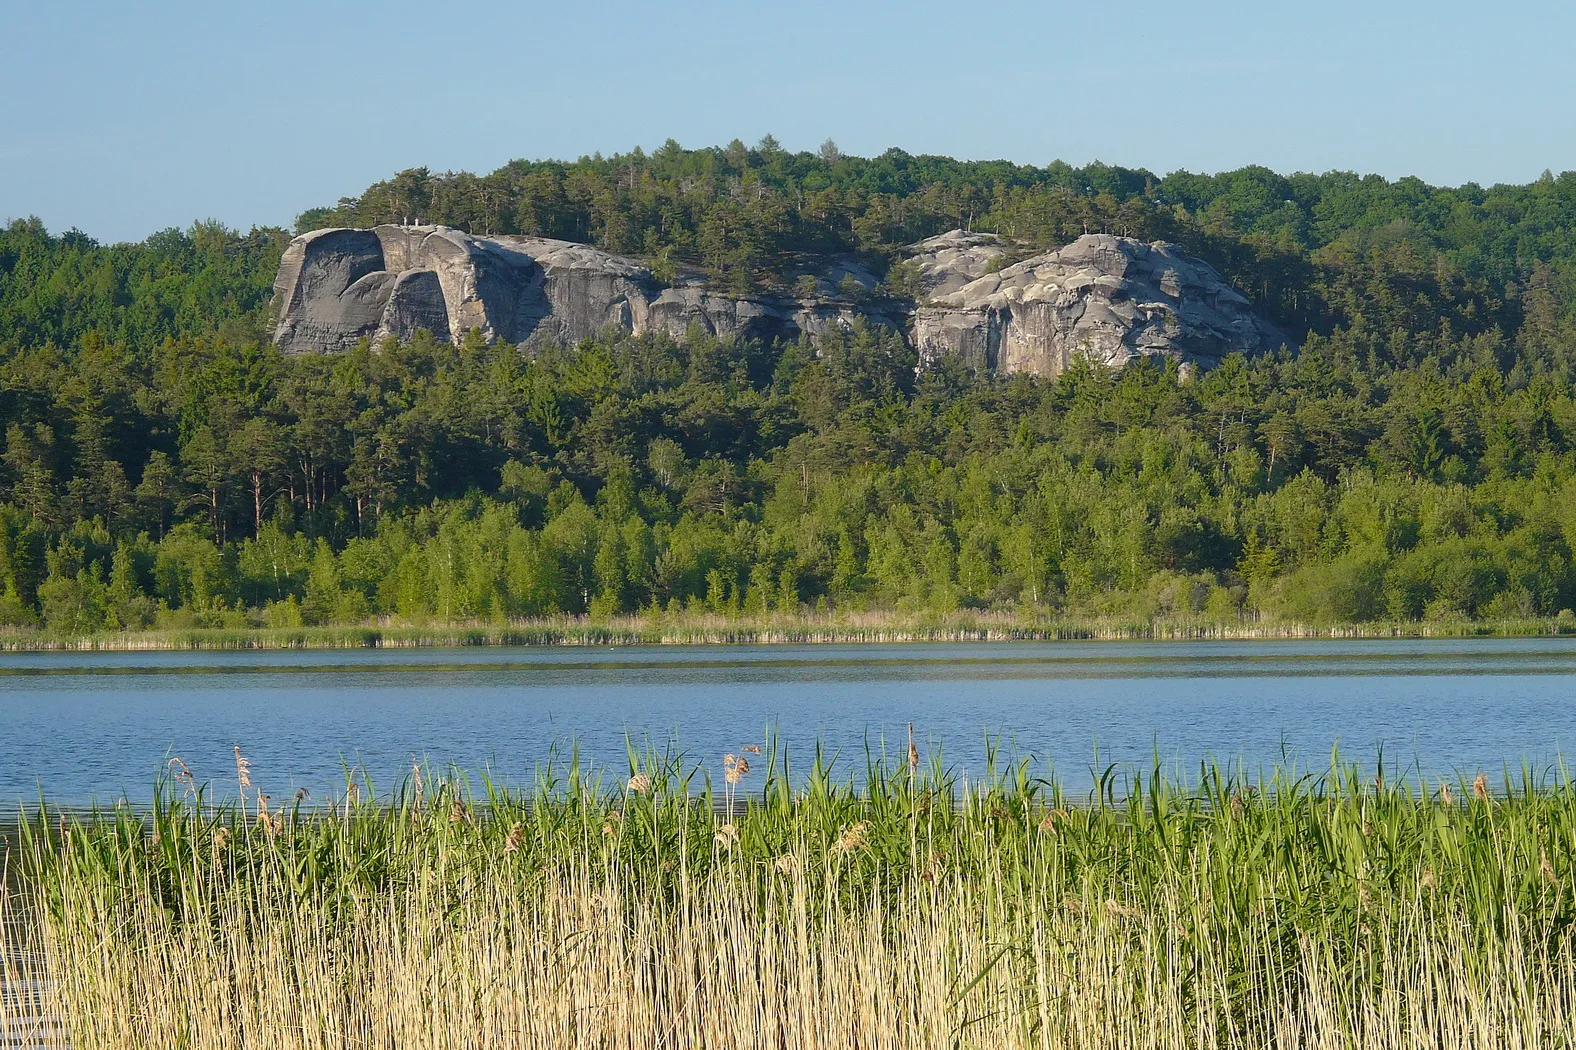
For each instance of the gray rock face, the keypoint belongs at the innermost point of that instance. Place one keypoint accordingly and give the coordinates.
(1107, 298)
(336, 287)
(951, 260)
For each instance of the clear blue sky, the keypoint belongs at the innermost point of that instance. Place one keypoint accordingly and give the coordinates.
(125, 118)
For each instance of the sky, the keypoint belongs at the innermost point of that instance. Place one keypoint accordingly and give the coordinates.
(123, 119)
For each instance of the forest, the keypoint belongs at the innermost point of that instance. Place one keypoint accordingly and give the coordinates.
(1412, 458)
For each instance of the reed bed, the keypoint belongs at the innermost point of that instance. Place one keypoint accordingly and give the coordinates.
(780, 907)
(807, 628)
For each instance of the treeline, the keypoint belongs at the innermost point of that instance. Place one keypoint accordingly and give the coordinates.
(228, 485)
(56, 291)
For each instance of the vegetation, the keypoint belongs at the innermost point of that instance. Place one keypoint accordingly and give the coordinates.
(802, 628)
(1412, 462)
(788, 906)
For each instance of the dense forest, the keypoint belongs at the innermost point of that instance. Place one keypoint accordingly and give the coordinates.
(1413, 458)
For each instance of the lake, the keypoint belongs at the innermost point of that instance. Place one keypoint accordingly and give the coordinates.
(85, 727)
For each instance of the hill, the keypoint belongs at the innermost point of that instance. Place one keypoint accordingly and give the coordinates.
(165, 465)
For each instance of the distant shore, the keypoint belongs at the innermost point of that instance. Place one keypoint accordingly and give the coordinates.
(706, 629)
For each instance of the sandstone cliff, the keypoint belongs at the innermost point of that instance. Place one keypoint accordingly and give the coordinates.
(1110, 298)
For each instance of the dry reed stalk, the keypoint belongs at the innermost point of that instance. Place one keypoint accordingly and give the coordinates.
(979, 932)
(584, 962)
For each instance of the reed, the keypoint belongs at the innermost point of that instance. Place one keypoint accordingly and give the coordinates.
(899, 907)
(693, 628)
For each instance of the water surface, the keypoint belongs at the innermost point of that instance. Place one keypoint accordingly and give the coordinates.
(79, 727)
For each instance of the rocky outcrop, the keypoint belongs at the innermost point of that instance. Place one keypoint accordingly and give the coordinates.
(336, 287)
(1108, 298)
(948, 262)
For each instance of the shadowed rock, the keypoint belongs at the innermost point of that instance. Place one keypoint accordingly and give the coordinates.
(336, 287)
(1109, 298)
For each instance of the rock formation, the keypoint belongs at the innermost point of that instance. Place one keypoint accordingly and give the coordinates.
(1110, 298)
(948, 262)
(336, 287)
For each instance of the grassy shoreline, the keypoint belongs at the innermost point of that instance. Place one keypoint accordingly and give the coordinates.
(893, 909)
(706, 629)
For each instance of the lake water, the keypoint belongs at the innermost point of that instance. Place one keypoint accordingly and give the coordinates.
(97, 726)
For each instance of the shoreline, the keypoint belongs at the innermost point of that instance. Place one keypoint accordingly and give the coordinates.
(828, 629)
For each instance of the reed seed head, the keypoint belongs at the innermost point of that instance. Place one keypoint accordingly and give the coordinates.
(243, 770)
(183, 775)
(1480, 788)
(1444, 792)
(787, 863)
(516, 837)
(640, 784)
(1052, 818)
(851, 838)
(727, 835)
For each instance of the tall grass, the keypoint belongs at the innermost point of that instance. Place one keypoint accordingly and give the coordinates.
(788, 908)
(775, 628)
